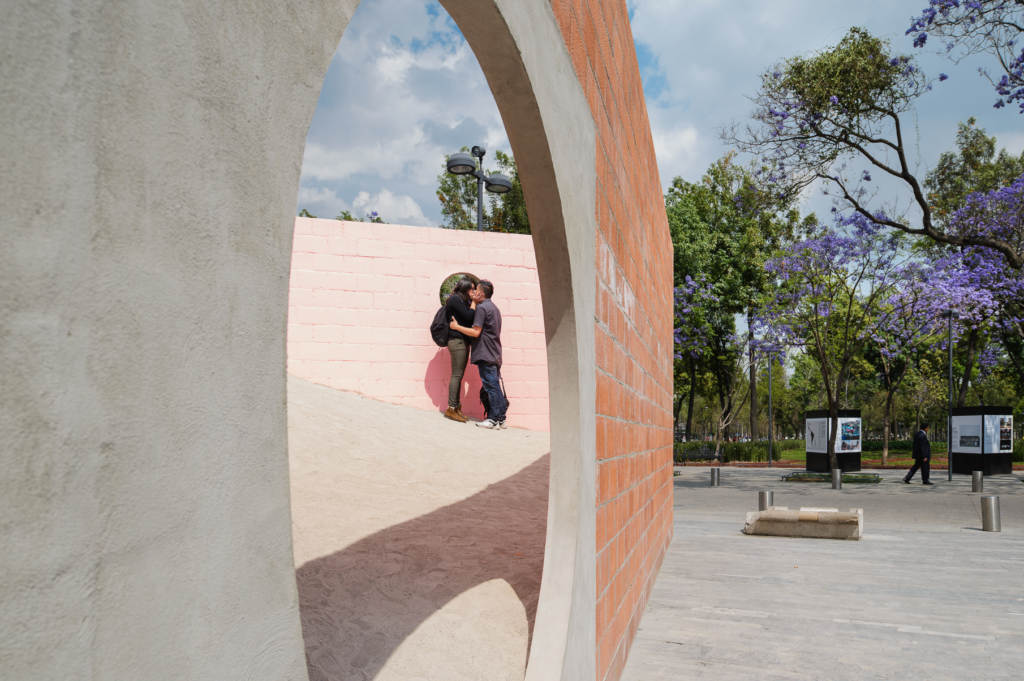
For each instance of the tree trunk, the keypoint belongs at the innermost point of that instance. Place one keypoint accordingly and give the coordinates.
(719, 431)
(833, 460)
(965, 382)
(693, 389)
(675, 420)
(885, 429)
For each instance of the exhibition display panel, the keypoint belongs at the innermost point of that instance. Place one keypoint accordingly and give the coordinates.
(848, 440)
(982, 440)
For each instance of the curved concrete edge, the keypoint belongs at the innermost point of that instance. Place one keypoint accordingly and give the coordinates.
(150, 156)
(553, 136)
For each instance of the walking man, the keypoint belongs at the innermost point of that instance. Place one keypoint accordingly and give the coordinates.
(922, 456)
(485, 343)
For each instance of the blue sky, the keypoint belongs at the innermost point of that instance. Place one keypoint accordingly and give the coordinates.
(404, 89)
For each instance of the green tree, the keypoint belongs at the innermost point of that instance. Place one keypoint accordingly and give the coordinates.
(457, 194)
(305, 214)
(725, 228)
(372, 217)
(973, 167)
(508, 210)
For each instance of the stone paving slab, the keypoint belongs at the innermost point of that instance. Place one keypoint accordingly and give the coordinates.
(924, 595)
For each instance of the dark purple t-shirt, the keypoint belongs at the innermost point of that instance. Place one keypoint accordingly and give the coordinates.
(486, 348)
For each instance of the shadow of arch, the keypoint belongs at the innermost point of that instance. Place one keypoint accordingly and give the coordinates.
(359, 604)
(551, 130)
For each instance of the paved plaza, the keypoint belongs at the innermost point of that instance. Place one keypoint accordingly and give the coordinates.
(924, 595)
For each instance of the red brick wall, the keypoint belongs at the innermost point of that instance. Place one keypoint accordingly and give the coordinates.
(633, 327)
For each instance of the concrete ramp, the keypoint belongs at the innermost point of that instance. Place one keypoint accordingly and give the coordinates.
(419, 541)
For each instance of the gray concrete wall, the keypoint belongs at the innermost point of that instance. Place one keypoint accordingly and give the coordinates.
(149, 162)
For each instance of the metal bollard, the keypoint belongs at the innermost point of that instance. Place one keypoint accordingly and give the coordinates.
(977, 481)
(715, 476)
(765, 498)
(990, 514)
(837, 478)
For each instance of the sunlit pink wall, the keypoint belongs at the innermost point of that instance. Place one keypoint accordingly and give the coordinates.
(362, 298)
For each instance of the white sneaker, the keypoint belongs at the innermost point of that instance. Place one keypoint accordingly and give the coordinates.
(489, 423)
(502, 425)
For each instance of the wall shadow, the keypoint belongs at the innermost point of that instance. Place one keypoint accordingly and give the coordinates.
(359, 604)
(435, 383)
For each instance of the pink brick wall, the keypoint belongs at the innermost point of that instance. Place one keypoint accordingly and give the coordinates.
(362, 297)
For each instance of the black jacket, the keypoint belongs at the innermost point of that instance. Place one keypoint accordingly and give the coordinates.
(457, 307)
(922, 448)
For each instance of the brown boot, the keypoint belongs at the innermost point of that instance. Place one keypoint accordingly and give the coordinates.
(458, 410)
(455, 416)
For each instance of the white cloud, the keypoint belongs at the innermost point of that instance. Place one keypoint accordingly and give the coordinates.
(700, 59)
(321, 201)
(679, 146)
(385, 118)
(394, 209)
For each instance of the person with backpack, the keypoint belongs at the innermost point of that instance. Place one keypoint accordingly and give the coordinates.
(461, 306)
(485, 340)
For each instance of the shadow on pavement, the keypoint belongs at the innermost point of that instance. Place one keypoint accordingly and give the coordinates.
(359, 604)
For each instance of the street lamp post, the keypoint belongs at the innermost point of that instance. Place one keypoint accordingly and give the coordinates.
(771, 360)
(461, 163)
(950, 315)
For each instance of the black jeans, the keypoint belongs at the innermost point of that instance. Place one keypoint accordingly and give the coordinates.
(490, 376)
(925, 466)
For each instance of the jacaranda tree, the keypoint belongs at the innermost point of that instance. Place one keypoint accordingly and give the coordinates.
(815, 116)
(696, 304)
(966, 27)
(836, 291)
(899, 340)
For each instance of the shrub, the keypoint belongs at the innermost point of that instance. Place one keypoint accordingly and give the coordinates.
(900, 446)
(731, 451)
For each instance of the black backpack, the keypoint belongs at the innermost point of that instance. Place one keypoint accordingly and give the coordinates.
(485, 399)
(439, 328)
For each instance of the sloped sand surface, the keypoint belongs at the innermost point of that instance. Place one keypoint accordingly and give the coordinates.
(419, 541)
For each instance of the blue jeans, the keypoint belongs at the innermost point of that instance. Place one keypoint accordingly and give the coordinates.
(489, 375)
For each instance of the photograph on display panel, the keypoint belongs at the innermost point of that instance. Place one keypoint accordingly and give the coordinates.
(970, 436)
(849, 429)
(1006, 433)
(817, 435)
(967, 434)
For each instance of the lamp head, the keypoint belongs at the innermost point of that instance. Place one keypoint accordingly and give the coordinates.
(479, 152)
(461, 163)
(950, 314)
(498, 184)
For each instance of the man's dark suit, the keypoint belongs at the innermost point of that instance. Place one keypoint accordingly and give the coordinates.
(922, 457)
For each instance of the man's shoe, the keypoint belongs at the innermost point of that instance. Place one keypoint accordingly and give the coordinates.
(906, 481)
(489, 423)
(501, 424)
(927, 483)
(455, 416)
(458, 410)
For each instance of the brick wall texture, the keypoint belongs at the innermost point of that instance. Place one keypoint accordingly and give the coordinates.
(633, 327)
(362, 298)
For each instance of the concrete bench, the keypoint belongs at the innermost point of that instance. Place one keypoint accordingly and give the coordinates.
(819, 523)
